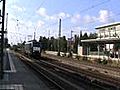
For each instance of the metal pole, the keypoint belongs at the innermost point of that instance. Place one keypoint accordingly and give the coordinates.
(2, 40)
(48, 33)
(6, 43)
(6, 21)
(59, 37)
(71, 44)
(34, 35)
(99, 50)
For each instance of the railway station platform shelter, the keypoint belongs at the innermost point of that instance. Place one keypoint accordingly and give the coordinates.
(108, 41)
(101, 46)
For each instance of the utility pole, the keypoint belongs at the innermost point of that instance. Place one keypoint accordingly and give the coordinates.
(49, 34)
(71, 40)
(2, 38)
(59, 37)
(80, 37)
(6, 21)
(34, 35)
(70, 53)
(35, 32)
(6, 39)
(17, 28)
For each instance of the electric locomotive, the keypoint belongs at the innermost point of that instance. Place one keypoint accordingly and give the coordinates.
(33, 48)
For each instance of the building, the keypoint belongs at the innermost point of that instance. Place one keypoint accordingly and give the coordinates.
(108, 37)
(107, 31)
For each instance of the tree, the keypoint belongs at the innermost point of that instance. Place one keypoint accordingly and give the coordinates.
(85, 36)
(93, 36)
(116, 46)
(75, 46)
(63, 44)
(44, 43)
(93, 47)
(40, 39)
(52, 43)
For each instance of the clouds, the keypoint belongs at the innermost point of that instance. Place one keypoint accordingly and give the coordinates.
(18, 8)
(103, 17)
(43, 13)
(75, 18)
(42, 19)
(63, 15)
(40, 23)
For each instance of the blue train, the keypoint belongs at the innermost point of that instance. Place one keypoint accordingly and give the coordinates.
(33, 48)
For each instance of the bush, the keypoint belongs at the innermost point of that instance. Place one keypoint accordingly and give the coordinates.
(69, 55)
(104, 61)
(85, 58)
(99, 60)
(77, 57)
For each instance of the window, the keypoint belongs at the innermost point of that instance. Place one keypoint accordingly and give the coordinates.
(114, 28)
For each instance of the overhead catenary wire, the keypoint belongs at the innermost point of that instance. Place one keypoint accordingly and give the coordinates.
(81, 11)
(36, 9)
(93, 21)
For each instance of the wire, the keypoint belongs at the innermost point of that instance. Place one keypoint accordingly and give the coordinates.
(93, 21)
(36, 9)
(82, 11)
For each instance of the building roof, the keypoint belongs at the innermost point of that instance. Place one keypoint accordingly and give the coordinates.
(108, 25)
(107, 40)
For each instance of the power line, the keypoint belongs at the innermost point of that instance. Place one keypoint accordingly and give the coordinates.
(82, 11)
(93, 21)
(36, 9)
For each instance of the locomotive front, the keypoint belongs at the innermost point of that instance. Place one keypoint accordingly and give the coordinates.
(36, 49)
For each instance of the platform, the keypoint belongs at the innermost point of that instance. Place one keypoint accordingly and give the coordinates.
(17, 76)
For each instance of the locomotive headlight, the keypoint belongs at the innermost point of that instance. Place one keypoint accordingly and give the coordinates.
(36, 48)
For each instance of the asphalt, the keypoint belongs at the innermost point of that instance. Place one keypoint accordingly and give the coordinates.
(17, 76)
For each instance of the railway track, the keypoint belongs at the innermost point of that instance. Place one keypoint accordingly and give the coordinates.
(49, 73)
(104, 69)
(64, 77)
(107, 67)
(94, 77)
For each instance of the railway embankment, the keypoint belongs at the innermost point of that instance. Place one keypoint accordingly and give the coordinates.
(94, 66)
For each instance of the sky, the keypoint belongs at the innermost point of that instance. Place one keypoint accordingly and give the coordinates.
(42, 16)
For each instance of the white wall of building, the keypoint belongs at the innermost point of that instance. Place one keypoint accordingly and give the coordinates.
(109, 47)
(109, 32)
(80, 50)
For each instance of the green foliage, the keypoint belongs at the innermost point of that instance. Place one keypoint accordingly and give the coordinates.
(93, 36)
(85, 36)
(75, 46)
(104, 61)
(63, 44)
(117, 46)
(52, 43)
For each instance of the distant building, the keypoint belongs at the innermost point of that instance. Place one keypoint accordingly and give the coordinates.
(111, 30)
(108, 39)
